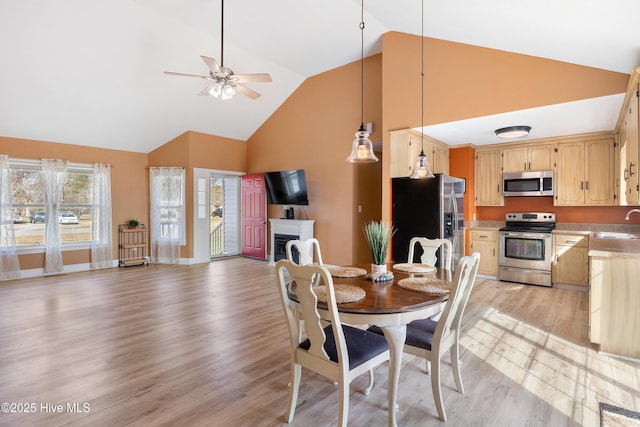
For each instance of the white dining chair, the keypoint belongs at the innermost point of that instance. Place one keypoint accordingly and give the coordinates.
(336, 351)
(308, 251)
(430, 249)
(431, 339)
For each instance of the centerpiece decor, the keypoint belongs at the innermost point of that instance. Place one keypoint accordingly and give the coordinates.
(378, 236)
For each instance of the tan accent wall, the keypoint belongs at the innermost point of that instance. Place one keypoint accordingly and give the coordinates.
(199, 150)
(129, 185)
(313, 130)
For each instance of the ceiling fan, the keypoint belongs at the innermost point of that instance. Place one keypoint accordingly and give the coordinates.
(224, 82)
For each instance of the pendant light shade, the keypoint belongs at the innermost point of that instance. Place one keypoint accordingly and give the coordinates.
(362, 148)
(422, 168)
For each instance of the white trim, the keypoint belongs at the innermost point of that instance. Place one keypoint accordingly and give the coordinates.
(222, 172)
(39, 249)
(71, 268)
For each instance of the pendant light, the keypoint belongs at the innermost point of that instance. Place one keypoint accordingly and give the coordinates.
(422, 168)
(362, 149)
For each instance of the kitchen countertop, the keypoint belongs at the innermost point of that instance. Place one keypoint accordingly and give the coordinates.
(580, 232)
(626, 248)
(597, 247)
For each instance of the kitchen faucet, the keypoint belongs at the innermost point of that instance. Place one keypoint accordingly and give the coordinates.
(630, 212)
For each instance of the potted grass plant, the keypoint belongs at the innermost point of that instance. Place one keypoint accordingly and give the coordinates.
(378, 235)
(133, 223)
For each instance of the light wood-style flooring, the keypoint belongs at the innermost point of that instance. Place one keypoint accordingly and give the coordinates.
(207, 345)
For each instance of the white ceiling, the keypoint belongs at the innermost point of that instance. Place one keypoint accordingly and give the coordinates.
(91, 72)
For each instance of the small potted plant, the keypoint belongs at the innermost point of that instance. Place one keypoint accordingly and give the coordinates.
(133, 223)
(378, 236)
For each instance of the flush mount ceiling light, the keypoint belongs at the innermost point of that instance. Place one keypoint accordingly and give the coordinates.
(422, 167)
(362, 149)
(513, 131)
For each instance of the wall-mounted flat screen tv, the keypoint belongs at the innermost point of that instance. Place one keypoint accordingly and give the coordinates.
(286, 187)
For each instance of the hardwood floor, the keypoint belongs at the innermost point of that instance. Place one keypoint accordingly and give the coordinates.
(207, 345)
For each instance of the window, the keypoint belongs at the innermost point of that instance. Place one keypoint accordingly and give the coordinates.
(28, 198)
(170, 206)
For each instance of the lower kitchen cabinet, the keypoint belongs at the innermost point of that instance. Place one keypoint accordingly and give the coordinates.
(613, 313)
(570, 265)
(485, 242)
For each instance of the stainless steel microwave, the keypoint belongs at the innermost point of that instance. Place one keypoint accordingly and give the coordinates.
(527, 183)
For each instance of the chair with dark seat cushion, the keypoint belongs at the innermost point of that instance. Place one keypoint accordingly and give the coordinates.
(336, 351)
(430, 338)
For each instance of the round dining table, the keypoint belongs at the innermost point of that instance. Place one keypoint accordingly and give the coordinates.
(391, 307)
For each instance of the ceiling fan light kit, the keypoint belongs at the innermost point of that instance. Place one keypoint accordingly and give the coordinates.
(362, 148)
(513, 131)
(225, 83)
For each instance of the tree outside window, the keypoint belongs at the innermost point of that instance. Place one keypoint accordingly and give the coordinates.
(27, 193)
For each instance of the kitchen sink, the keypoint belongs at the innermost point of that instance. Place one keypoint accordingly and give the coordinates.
(625, 244)
(614, 235)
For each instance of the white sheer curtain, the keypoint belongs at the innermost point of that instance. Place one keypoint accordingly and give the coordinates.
(167, 214)
(101, 229)
(9, 265)
(54, 173)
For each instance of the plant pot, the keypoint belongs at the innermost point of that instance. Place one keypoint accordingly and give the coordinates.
(375, 268)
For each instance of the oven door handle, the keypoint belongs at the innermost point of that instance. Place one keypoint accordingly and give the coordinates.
(525, 235)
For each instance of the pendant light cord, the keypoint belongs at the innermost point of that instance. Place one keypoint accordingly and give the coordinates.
(362, 66)
(422, 76)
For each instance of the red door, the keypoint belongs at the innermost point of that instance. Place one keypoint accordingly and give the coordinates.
(254, 216)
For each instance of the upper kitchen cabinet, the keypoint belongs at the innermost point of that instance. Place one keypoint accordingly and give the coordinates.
(584, 174)
(406, 145)
(529, 158)
(489, 177)
(627, 155)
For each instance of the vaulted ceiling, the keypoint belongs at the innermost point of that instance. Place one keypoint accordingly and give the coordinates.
(91, 72)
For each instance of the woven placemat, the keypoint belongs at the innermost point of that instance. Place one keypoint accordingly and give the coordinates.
(428, 286)
(347, 272)
(344, 293)
(412, 268)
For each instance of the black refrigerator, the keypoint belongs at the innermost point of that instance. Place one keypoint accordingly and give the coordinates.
(431, 208)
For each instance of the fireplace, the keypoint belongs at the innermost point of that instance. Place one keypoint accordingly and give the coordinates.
(280, 247)
(283, 230)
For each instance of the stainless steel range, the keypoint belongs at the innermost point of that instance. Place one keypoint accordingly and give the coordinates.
(525, 248)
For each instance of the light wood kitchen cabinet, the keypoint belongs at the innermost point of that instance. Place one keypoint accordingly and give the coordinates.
(614, 315)
(584, 175)
(628, 138)
(489, 177)
(570, 265)
(440, 156)
(485, 242)
(406, 145)
(529, 158)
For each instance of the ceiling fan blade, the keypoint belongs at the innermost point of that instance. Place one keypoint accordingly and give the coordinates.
(246, 91)
(206, 90)
(212, 64)
(171, 73)
(252, 78)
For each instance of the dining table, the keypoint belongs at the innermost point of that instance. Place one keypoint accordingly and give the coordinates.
(391, 307)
